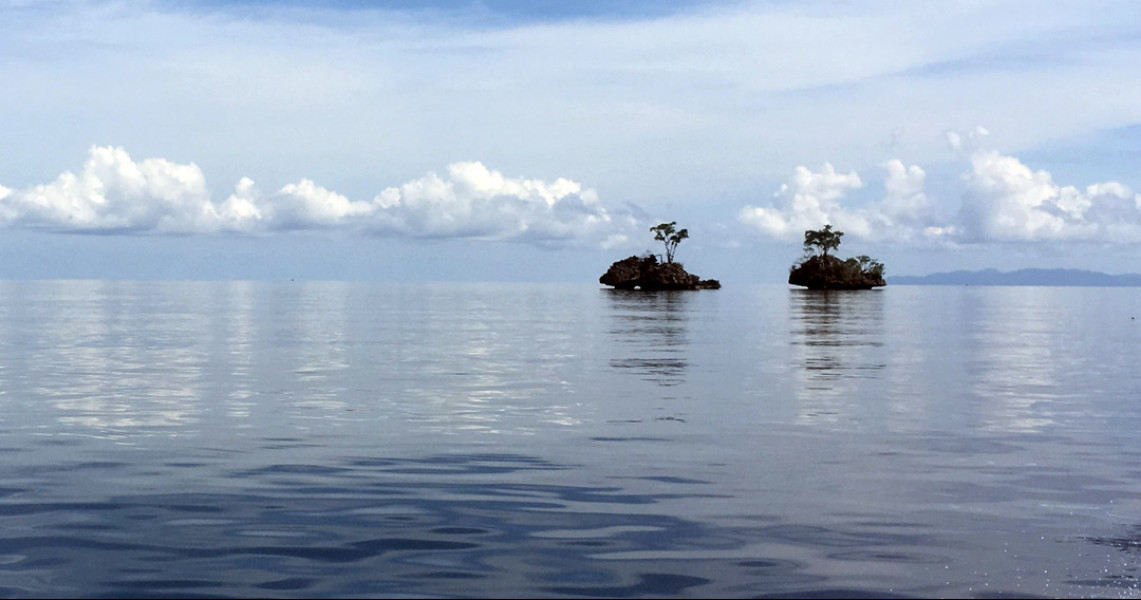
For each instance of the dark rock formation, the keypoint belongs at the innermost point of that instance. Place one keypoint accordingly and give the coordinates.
(831, 273)
(647, 273)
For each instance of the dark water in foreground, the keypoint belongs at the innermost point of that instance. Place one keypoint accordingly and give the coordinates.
(327, 439)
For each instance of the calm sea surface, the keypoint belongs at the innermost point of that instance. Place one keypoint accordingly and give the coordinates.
(344, 439)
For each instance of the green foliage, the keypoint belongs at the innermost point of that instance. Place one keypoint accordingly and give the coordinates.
(668, 234)
(822, 240)
(861, 266)
(870, 266)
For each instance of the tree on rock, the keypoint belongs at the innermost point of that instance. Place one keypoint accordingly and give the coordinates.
(648, 273)
(819, 270)
(822, 240)
(667, 233)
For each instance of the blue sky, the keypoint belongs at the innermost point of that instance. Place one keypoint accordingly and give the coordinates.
(539, 141)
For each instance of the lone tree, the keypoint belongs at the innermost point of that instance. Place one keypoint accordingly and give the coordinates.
(822, 240)
(667, 234)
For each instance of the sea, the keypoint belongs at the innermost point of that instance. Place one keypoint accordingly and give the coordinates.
(329, 439)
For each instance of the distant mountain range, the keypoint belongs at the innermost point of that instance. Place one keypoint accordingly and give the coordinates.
(1044, 277)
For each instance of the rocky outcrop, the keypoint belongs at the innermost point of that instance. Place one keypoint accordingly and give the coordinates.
(831, 273)
(646, 273)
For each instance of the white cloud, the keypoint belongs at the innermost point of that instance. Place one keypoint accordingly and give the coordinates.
(906, 212)
(240, 211)
(809, 201)
(305, 205)
(474, 201)
(1004, 201)
(812, 200)
(954, 140)
(113, 193)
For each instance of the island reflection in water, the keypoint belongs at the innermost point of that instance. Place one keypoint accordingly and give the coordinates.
(837, 337)
(649, 333)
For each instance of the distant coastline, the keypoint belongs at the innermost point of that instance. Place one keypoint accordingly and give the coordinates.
(1026, 277)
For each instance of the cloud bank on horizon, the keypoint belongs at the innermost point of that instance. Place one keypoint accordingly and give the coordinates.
(1004, 201)
(113, 193)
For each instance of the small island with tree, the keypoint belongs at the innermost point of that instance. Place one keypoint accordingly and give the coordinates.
(819, 270)
(648, 272)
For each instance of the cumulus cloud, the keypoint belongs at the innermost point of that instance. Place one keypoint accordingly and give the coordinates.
(113, 193)
(305, 205)
(808, 201)
(811, 200)
(1004, 201)
(474, 201)
(905, 202)
(906, 212)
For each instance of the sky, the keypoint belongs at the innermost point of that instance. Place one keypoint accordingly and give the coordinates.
(466, 140)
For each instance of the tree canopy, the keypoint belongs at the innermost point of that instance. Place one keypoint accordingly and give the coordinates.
(822, 240)
(668, 234)
(868, 265)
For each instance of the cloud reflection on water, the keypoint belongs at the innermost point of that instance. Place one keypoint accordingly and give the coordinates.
(113, 359)
(123, 358)
(235, 327)
(1013, 358)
